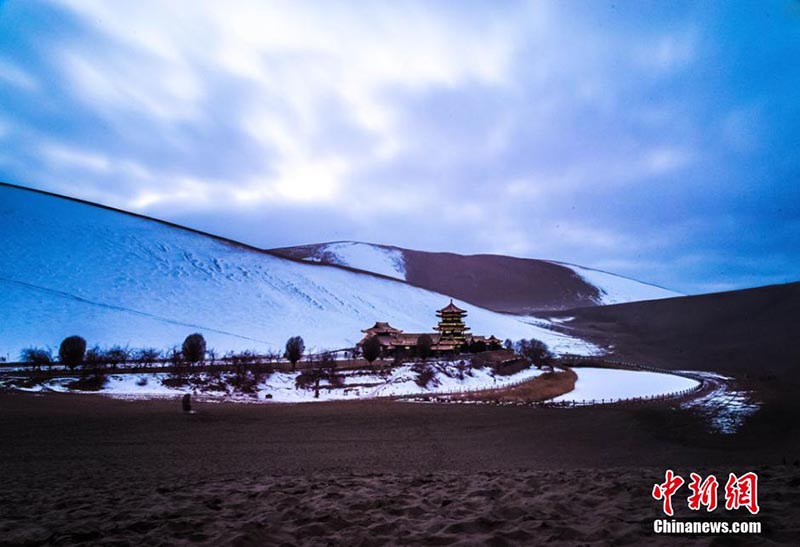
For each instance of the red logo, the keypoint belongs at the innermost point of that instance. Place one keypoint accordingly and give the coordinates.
(667, 489)
(703, 493)
(742, 492)
(739, 492)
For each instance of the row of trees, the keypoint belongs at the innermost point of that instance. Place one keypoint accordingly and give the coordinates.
(73, 352)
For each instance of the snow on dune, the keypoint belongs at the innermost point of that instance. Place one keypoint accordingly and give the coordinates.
(362, 256)
(71, 268)
(615, 289)
(614, 384)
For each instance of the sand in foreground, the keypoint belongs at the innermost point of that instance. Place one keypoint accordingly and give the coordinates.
(97, 471)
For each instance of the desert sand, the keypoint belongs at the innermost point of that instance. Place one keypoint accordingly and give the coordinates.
(97, 471)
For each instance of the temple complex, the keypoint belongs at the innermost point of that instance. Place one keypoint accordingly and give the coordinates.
(451, 336)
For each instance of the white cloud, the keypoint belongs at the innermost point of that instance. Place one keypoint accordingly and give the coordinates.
(16, 76)
(289, 63)
(66, 156)
(511, 127)
(665, 159)
(667, 53)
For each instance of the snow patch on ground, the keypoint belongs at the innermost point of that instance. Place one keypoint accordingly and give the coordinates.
(280, 387)
(615, 289)
(597, 384)
(706, 374)
(446, 380)
(725, 408)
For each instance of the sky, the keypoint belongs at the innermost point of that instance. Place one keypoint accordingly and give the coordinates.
(656, 140)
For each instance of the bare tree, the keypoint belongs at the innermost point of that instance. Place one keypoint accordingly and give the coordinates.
(36, 358)
(535, 351)
(93, 361)
(115, 356)
(323, 368)
(146, 357)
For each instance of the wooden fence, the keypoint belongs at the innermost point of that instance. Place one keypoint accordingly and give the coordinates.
(570, 361)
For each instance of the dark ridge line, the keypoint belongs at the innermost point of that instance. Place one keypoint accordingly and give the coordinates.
(473, 255)
(680, 294)
(670, 299)
(278, 251)
(479, 255)
(232, 242)
(226, 240)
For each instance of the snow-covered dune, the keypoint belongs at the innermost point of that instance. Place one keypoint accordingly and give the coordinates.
(68, 267)
(616, 289)
(500, 283)
(377, 259)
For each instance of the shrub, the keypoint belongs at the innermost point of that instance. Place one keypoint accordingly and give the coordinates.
(242, 363)
(194, 348)
(424, 376)
(462, 369)
(177, 365)
(327, 364)
(371, 349)
(535, 351)
(294, 349)
(92, 382)
(175, 381)
(71, 351)
(305, 379)
(477, 362)
(36, 358)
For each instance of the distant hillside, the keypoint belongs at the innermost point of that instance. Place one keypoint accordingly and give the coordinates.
(71, 267)
(500, 283)
(753, 330)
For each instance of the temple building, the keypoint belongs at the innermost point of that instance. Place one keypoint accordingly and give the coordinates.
(451, 327)
(451, 336)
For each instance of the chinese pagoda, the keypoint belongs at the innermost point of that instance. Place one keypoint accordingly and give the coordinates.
(451, 327)
(451, 337)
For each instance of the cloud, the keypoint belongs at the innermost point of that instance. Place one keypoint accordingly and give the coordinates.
(287, 66)
(597, 134)
(16, 76)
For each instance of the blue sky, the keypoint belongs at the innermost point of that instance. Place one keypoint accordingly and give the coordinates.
(655, 140)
